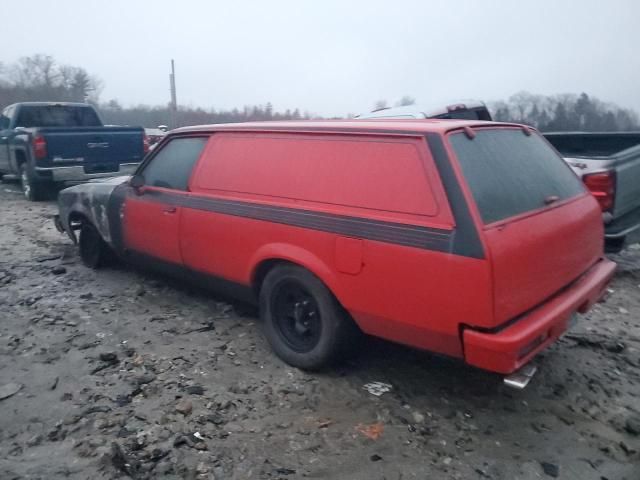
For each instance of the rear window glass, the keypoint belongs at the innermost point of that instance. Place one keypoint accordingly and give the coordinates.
(593, 145)
(379, 175)
(510, 173)
(57, 116)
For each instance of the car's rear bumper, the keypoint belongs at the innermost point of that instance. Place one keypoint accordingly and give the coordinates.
(76, 173)
(508, 349)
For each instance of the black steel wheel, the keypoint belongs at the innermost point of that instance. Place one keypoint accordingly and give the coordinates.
(296, 316)
(94, 251)
(304, 323)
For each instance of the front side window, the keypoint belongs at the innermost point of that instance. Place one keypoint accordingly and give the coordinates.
(171, 167)
(510, 173)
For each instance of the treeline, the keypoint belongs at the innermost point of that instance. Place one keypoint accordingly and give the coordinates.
(40, 77)
(565, 112)
(113, 113)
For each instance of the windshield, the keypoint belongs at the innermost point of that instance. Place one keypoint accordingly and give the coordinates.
(57, 116)
(510, 173)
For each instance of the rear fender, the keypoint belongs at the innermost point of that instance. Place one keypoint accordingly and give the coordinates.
(292, 254)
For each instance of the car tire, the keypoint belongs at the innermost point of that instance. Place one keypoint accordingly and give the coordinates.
(614, 245)
(303, 321)
(33, 191)
(94, 251)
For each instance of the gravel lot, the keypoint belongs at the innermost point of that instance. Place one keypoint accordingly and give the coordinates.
(125, 374)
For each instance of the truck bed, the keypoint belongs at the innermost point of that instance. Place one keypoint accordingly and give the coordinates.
(595, 152)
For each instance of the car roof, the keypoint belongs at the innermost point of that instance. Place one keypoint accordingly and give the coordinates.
(389, 126)
(52, 104)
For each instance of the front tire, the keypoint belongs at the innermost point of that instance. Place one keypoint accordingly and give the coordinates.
(32, 190)
(94, 251)
(304, 323)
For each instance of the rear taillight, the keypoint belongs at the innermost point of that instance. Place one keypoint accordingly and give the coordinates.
(602, 186)
(145, 144)
(39, 147)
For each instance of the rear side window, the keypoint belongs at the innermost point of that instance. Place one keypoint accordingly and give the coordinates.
(362, 173)
(510, 173)
(171, 167)
(57, 116)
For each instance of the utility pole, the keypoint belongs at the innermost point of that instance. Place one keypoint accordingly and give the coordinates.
(174, 103)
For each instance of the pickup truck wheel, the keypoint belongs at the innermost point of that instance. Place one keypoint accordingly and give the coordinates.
(94, 251)
(304, 323)
(32, 190)
(614, 245)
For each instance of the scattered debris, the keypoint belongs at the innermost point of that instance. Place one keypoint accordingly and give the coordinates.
(9, 390)
(377, 388)
(227, 404)
(632, 425)
(144, 378)
(195, 390)
(58, 270)
(184, 407)
(597, 341)
(373, 431)
(122, 462)
(550, 469)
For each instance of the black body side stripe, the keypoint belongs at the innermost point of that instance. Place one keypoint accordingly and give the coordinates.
(397, 233)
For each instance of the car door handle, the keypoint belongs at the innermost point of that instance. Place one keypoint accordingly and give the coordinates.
(170, 210)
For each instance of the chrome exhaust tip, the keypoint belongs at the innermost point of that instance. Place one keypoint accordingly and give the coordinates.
(520, 378)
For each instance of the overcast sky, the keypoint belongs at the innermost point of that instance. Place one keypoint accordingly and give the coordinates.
(335, 57)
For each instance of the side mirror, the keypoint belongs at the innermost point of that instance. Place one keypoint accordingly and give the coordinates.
(137, 182)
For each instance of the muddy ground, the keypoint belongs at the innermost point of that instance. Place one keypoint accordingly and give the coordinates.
(127, 374)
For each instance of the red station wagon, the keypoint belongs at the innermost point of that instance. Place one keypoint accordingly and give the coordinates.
(470, 239)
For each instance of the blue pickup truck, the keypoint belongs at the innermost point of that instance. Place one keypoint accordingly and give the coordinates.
(48, 143)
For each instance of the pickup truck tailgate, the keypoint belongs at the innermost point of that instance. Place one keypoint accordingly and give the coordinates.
(627, 182)
(97, 150)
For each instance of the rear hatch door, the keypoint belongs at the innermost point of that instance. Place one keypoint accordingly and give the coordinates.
(542, 229)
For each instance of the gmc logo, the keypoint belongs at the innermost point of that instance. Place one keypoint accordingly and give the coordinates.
(98, 144)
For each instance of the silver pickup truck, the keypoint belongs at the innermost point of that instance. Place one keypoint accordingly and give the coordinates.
(609, 165)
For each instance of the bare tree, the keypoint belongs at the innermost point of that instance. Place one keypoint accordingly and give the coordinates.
(380, 104)
(39, 77)
(563, 112)
(405, 101)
